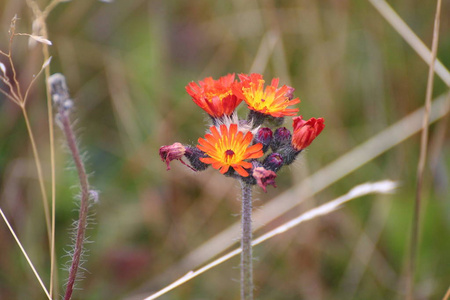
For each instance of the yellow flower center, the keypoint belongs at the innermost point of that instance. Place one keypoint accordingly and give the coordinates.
(258, 97)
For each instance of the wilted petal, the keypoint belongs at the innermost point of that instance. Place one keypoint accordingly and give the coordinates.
(264, 177)
(171, 152)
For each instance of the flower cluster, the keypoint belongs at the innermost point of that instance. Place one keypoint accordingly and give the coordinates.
(237, 147)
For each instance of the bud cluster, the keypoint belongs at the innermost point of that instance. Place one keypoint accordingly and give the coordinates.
(253, 149)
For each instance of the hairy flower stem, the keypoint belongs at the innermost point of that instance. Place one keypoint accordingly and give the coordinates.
(84, 205)
(246, 243)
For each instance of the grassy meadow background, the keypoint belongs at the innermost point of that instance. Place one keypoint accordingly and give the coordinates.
(127, 63)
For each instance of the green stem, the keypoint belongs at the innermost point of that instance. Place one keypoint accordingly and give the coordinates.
(246, 243)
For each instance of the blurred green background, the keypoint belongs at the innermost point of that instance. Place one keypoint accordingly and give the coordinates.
(127, 63)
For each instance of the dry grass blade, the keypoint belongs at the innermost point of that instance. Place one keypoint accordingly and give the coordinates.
(447, 295)
(410, 37)
(422, 160)
(380, 187)
(25, 254)
(40, 16)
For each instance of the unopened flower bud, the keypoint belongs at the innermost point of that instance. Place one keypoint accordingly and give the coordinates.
(264, 136)
(281, 137)
(171, 152)
(306, 131)
(59, 90)
(264, 177)
(273, 162)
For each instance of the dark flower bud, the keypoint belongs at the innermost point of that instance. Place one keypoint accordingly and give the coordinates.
(171, 152)
(264, 136)
(281, 137)
(193, 154)
(273, 162)
(264, 177)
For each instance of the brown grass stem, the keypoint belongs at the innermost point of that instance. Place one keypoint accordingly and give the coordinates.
(414, 240)
(84, 204)
(15, 95)
(53, 269)
(41, 16)
(410, 37)
(39, 170)
(25, 254)
(246, 243)
(447, 295)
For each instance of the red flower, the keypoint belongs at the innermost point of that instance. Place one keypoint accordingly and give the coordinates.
(228, 148)
(306, 131)
(215, 96)
(270, 100)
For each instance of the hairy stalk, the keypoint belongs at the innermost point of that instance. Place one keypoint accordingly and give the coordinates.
(84, 205)
(414, 240)
(60, 97)
(246, 243)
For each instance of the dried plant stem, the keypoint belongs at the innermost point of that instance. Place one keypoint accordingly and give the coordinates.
(41, 16)
(447, 295)
(39, 171)
(53, 269)
(410, 37)
(25, 254)
(84, 204)
(422, 160)
(246, 243)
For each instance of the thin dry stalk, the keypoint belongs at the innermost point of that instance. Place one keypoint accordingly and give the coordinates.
(422, 160)
(410, 37)
(14, 93)
(25, 254)
(40, 16)
(447, 295)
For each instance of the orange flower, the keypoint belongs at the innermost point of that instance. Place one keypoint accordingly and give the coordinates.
(229, 148)
(271, 100)
(215, 96)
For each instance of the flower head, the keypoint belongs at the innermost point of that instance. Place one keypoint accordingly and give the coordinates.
(215, 96)
(270, 100)
(171, 152)
(264, 177)
(229, 147)
(306, 131)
